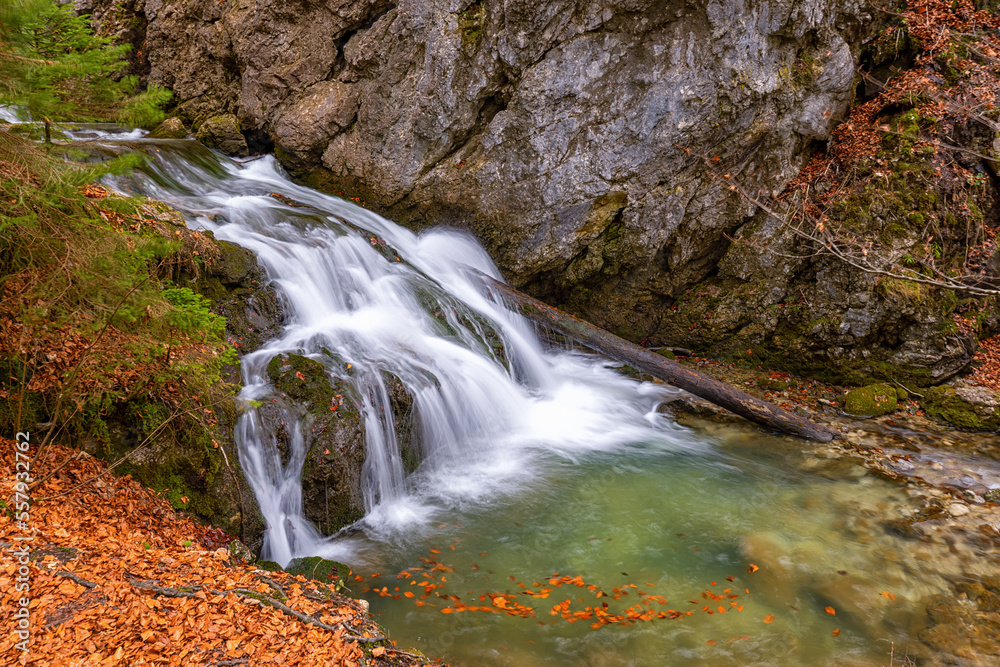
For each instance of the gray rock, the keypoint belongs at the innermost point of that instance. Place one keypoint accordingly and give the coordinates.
(223, 133)
(555, 130)
(171, 128)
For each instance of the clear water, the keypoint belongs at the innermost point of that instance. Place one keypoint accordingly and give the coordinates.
(539, 463)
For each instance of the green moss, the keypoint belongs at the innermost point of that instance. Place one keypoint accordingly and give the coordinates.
(772, 384)
(329, 572)
(470, 24)
(302, 379)
(944, 404)
(874, 400)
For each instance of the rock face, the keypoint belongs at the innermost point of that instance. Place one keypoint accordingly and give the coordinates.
(570, 136)
(326, 409)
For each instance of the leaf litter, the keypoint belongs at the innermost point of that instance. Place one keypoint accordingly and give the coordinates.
(117, 578)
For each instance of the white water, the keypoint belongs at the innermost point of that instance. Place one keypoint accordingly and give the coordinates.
(483, 420)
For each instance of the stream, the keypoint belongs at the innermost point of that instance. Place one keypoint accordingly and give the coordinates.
(559, 516)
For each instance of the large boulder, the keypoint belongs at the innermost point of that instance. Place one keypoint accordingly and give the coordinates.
(579, 140)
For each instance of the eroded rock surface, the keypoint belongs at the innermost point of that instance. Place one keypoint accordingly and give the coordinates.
(576, 139)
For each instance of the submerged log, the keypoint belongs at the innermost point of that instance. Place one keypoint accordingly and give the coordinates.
(619, 349)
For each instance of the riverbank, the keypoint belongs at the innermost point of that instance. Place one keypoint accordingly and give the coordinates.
(115, 577)
(948, 511)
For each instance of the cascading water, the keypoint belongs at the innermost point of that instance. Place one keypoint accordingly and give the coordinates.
(537, 461)
(371, 300)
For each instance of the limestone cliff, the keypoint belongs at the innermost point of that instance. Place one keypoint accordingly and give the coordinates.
(580, 141)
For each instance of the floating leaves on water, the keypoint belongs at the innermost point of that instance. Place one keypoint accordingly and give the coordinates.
(599, 614)
(753, 568)
(830, 610)
(836, 633)
(888, 595)
(769, 618)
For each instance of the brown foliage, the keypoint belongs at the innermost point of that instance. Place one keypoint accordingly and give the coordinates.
(91, 550)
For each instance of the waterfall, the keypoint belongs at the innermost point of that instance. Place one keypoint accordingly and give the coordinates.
(488, 396)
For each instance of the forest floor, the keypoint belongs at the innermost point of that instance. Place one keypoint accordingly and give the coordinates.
(114, 576)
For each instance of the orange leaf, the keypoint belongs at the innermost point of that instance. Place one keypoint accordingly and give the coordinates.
(769, 618)
(378, 651)
(408, 594)
(887, 594)
(711, 642)
(753, 568)
(299, 375)
(836, 633)
(831, 611)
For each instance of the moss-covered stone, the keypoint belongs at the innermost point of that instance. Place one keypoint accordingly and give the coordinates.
(171, 128)
(319, 569)
(972, 408)
(874, 400)
(223, 133)
(772, 384)
(302, 379)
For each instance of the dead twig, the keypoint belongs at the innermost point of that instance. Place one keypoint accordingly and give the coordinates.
(252, 597)
(70, 575)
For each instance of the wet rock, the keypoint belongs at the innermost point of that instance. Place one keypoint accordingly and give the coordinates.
(964, 406)
(224, 134)
(874, 400)
(329, 572)
(171, 128)
(957, 509)
(241, 292)
(303, 380)
(985, 597)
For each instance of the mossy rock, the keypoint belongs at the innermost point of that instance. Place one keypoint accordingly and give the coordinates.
(224, 134)
(302, 379)
(772, 384)
(240, 553)
(171, 128)
(874, 400)
(319, 569)
(966, 407)
(664, 352)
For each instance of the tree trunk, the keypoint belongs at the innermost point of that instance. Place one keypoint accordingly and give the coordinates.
(719, 393)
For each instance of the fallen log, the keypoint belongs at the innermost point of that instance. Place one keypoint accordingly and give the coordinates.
(619, 349)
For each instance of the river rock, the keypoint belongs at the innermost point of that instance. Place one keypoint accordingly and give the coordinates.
(964, 406)
(874, 400)
(223, 133)
(586, 145)
(171, 128)
(957, 509)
